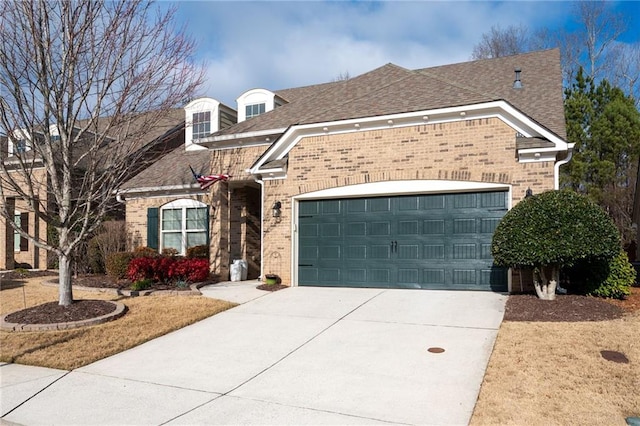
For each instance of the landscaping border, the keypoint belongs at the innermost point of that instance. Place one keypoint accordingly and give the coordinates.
(194, 290)
(120, 310)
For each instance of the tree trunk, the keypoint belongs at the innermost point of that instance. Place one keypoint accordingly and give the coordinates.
(65, 291)
(546, 288)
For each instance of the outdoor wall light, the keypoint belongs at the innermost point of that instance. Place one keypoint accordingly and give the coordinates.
(276, 209)
(529, 193)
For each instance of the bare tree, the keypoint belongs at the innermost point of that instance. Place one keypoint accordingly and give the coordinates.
(590, 46)
(81, 83)
(626, 69)
(341, 77)
(500, 42)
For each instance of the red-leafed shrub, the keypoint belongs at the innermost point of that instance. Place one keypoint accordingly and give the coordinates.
(168, 268)
(193, 270)
(141, 268)
(161, 267)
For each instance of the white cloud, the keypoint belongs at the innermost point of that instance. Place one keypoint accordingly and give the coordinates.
(276, 45)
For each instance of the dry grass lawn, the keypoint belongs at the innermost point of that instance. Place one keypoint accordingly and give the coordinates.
(147, 318)
(554, 374)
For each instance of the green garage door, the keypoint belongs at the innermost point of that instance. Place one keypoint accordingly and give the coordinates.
(438, 241)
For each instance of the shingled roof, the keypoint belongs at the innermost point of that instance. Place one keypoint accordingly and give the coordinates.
(392, 89)
(172, 169)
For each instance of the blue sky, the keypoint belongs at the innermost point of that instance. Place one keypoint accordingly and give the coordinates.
(277, 45)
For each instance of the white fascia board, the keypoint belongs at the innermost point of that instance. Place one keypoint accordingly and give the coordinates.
(240, 136)
(499, 109)
(148, 191)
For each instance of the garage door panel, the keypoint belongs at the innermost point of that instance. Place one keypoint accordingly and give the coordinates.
(408, 251)
(355, 229)
(408, 227)
(310, 230)
(380, 252)
(379, 228)
(464, 226)
(433, 227)
(433, 251)
(308, 253)
(464, 251)
(354, 252)
(379, 205)
(330, 230)
(432, 202)
(423, 241)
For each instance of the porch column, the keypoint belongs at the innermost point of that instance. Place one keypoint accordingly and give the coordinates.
(219, 230)
(6, 235)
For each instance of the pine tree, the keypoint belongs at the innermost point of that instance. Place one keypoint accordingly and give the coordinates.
(604, 124)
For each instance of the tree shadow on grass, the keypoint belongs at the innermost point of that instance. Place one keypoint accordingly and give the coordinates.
(10, 284)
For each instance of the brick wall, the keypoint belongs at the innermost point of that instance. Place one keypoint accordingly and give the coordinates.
(34, 256)
(473, 150)
(235, 214)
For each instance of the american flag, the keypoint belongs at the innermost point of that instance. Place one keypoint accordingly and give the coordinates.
(207, 181)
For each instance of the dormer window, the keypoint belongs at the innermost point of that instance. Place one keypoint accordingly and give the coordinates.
(255, 102)
(204, 116)
(201, 124)
(254, 110)
(20, 146)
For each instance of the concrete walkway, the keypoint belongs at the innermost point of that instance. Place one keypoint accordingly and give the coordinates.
(302, 355)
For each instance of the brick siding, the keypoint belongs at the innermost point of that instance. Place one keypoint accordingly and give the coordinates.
(481, 150)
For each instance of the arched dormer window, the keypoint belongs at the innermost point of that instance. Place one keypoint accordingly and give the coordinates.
(255, 102)
(184, 223)
(19, 142)
(204, 116)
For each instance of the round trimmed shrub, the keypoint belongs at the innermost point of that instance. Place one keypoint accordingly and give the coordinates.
(558, 228)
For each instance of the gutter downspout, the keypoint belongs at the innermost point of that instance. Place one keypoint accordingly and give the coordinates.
(261, 183)
(120, 199)
(556, 167)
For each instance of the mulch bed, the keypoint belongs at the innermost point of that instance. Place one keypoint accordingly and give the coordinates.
(51, 313)
(569, 308)
(104, 281)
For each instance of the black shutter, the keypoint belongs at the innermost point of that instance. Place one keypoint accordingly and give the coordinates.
(24, 225)
(152, 228)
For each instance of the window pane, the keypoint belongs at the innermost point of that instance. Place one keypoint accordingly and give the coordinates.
(253, 110)
(197, 218)
(172, 240)
(172, 220)
(201, 124)
(16, 235)
(196, 239)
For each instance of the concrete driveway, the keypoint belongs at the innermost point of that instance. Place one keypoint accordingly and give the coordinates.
(303, 355)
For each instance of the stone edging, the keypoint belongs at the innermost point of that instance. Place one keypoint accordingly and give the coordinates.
(120, 310)
(194, 290)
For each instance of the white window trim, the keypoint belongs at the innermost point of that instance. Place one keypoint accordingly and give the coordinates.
(183, 204)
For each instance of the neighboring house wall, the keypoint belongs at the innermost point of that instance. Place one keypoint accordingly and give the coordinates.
(474, 151)
(27, 253)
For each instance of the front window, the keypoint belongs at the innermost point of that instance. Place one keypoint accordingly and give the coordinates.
(184, 224)
(16, 234)
(201, 124)
(254, 110)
